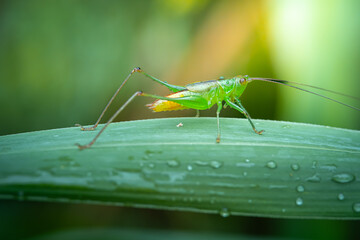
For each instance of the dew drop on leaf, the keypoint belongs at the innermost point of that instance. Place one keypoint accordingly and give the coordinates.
(356, 207)
(295, 166)
(271, 164)
(315, 178)
(173, 163)
(224, 212)
(300, 188)
(343, 178)
(215, 164)
(299, 201)
(341, 196)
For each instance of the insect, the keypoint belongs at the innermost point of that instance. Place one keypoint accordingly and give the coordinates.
(200, 96)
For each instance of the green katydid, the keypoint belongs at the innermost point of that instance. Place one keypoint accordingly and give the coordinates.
(200, 96)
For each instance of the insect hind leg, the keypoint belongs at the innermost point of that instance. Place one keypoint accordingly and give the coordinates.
(171, 87)
(137, 69)
(109, 121)
(189, 101)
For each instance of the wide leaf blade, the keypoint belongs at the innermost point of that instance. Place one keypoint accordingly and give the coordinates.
(293, 170)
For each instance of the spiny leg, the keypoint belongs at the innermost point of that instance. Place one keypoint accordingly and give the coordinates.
(108, 122)
(171, 87)
(218, 121)
(241, 109)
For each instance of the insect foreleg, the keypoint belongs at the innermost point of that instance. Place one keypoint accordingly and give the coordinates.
(110, 120)
(241, 109)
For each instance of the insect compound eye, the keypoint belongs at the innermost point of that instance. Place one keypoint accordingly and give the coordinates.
(242, 80)
(137, 69)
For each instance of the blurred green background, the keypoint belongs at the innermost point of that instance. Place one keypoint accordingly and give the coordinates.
(61, 61)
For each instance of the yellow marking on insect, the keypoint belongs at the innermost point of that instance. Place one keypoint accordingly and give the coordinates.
(165, 105)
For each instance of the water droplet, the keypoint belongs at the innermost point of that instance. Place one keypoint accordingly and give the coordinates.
(286, 126)
(299, 201)
(343, 178)
(173, 163)
(300, 188)
(283, 210)
(329, 167)
(314, 178)
(151, 165)
(341, 196)
(314, 164)
(295, 166)
(271, 164)
(224, 212)
(247, 160)
(189, 167)
(249, 201)
(356, 207)
(245, 174)
(201, 163)
(215, 164)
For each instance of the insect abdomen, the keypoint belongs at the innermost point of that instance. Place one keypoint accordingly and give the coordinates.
(165, 105)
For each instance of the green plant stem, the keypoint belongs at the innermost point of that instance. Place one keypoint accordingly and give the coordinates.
(293, 170)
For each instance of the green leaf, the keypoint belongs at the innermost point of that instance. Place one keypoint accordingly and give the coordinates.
(141, 233)
(293, 170)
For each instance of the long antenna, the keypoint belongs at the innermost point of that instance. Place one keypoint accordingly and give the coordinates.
(310, 86)
(283, 82)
